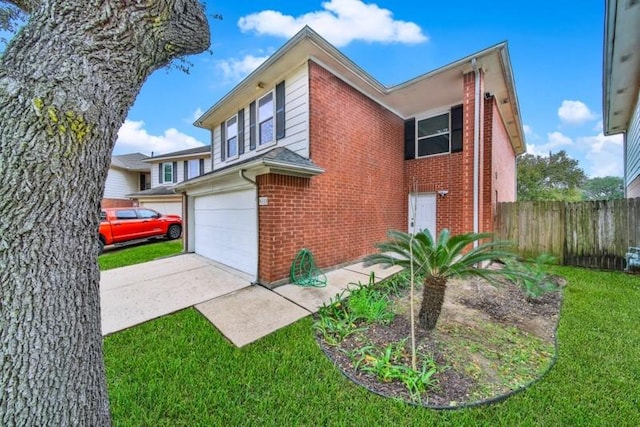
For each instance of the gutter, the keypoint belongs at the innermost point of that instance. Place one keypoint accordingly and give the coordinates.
(476, 149)
(255, 185)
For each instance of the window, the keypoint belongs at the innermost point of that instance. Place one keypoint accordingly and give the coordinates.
(193, 168)
(433, 135)
(166, 172)
(232, 137)
(126, 214)
(147, 214)
(265, 119)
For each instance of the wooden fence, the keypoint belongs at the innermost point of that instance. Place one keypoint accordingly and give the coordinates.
(593, 234)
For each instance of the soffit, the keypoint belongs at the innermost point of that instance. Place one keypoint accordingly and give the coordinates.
(621, 63)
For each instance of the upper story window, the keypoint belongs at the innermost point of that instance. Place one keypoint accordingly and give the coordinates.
(167, 172)
(259, 125)
(433, 135)
(231, 143)
(265, 119)
(193, 168)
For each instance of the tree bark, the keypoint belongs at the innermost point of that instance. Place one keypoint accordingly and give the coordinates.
(67, 81)
(432, 300)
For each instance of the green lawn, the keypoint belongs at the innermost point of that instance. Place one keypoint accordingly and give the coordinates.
(180, 371)
(140, 253)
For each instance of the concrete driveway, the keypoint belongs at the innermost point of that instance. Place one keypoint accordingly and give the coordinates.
(137, 293)
(242, 312)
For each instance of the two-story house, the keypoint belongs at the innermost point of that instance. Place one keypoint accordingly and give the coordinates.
(127, 173)
(166, 171)
(310, 151)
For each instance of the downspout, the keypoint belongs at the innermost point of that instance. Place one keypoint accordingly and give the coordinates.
(255, 184)
(185, 221)
(476, 149)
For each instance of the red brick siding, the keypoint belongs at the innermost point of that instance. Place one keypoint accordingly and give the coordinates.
(499, 165)
(503, 161)
(340, 214)
(117, 203)
(487, 191)
(452, 172)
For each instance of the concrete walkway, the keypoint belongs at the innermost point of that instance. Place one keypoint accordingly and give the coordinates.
(242, 312)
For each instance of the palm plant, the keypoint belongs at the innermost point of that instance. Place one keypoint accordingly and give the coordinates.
(438, 261)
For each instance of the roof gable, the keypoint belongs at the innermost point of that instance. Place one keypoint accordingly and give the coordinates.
(132, 162)
(405, 100)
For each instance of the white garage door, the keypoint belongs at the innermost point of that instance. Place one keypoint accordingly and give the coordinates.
(166, 208)
(226, 229)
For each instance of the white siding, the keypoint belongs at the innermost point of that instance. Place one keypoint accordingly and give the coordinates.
(155, 177)
(119, 183)
(633, 148)
(296, 120)
(166, 208)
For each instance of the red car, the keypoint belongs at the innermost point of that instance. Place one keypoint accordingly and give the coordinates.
(119, 225)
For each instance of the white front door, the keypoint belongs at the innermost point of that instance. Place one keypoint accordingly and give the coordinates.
(422, 212)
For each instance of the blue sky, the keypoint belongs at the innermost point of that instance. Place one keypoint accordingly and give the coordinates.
(555, 47)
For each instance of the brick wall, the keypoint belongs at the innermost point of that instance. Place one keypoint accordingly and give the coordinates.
(117, 203)
(504, 160)
(341, 213)
(499, 164)
(451, 172)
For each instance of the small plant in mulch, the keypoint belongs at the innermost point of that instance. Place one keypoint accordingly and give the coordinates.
(532, 276)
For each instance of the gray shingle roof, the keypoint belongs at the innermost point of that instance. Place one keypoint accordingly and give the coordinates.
(203, 149)
(278, 154)
(156, 191)
(132, 162)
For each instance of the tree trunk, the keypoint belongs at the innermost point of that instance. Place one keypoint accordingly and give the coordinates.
(432, 300)
(67, 81)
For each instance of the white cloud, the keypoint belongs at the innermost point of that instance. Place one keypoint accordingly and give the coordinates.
(599, 126)
(604, 154)
(235, 69)
(528, 130)
(556, 141)
(133, 138)
(195, 116)
(575, 113)
(340, 22)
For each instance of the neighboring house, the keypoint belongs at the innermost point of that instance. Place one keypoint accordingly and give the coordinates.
(621, 74)
(127, 173)
(310, 151)
(166, 171)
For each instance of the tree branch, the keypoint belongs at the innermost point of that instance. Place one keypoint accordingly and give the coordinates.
(27, 6)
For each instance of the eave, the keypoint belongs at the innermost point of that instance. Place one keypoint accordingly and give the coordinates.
(406, 100)
(621, 73)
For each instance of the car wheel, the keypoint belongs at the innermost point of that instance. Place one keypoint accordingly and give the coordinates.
(100, 246)
(174, 232)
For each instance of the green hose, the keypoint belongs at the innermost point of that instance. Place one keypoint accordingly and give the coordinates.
(304, 271)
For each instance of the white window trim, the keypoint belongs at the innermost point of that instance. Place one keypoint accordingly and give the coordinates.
(429, 116)
(173, 172)
(273, 117)
(226, 135)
